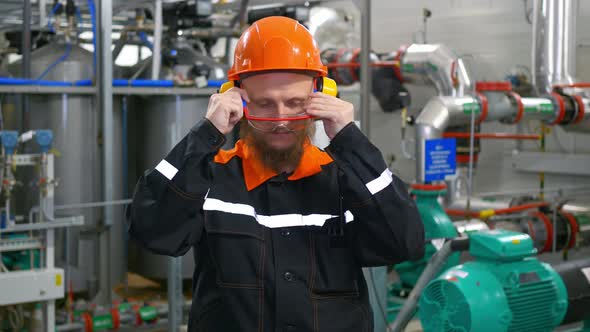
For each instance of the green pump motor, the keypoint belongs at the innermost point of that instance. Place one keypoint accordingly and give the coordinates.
(437, 227)
(504, 289)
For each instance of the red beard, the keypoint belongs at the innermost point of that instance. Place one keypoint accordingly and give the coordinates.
(272, 158)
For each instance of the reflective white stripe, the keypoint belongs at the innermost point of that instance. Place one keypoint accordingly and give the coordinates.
(293, 220)
(381, 182)
(348, 216)
(213, 204)
(166, 169)
(275, 221)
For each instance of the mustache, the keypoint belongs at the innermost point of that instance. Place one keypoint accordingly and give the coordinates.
(282, 128)
(270, 157)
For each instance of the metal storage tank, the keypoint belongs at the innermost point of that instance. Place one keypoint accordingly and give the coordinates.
(162, 121)
(76, 124)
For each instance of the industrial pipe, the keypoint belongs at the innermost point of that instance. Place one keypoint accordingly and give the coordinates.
(554, 43)
(365, 56)
(492, 212)
(438, 66)
(442, 112)
(580, 85)
(492, 136)
(214, 32)
(159, 26)
(578, 289)
(581, 123)
(432, 268)
(357, 65)
(438, 114)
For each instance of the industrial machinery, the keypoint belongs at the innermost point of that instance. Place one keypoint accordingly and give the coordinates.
(344, 67)
(126, 315)
(504, 289)
(437, 227)
(27, 245)
(74, 120)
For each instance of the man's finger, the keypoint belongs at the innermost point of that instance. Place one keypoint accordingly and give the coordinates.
(321, 114)
(321, 95)
(323, 102)
(325, 107)
(237, 103)
(243, 94)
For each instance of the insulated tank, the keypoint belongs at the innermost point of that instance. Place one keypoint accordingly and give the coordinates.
(77, 125)
(162, 121)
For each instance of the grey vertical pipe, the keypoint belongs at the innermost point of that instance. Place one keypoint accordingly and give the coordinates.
(554, 43)
(105, 95)
(175, 298)
(26, 43)
(365, 116)
(409, 308)
(376, 278)
(471, 147)
(26, 60)
(157, 51)
(554, 240)
(42, 14)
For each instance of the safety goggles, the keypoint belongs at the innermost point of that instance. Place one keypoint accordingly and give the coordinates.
(269, 121)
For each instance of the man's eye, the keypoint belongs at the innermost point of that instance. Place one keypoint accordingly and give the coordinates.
(295, 104)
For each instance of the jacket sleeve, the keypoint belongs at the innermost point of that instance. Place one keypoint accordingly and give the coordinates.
(387, 228)
(165, 214)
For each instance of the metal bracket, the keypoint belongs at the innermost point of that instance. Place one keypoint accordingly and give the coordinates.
(58, 223)
(19, 244)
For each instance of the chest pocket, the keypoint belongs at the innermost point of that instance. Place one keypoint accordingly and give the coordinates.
(237, 247)
(336, 271)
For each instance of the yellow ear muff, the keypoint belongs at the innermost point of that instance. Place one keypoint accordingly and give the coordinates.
(226, 86)
(329, 86)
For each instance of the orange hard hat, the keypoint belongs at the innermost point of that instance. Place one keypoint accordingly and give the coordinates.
(276, 43)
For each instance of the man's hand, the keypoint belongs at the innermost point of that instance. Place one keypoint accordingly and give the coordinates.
(335, 113)
(225, 109)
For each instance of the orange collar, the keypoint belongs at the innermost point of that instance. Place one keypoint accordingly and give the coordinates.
(255, 173)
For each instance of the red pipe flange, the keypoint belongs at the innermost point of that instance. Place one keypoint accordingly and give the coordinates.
(398, 57)
(561, 105)
(519, 105)
(573, 227)
(581, 109)
(548, 227)
(484, 107)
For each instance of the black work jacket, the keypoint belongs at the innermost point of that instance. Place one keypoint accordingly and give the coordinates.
(265, 255)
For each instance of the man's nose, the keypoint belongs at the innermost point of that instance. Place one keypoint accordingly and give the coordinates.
(282, 111)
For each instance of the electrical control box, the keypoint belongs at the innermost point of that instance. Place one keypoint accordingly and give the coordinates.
(31, 286)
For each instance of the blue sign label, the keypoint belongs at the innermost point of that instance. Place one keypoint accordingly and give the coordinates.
(439, 158)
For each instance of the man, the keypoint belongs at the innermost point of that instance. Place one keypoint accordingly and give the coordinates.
(280, 229)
